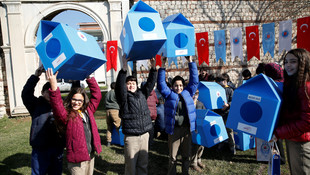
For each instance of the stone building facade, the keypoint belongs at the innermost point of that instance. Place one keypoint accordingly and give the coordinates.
(210, 15)
(19, 20)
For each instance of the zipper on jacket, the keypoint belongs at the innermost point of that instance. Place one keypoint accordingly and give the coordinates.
(174, 111)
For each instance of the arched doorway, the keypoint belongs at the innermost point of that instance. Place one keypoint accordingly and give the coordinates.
(19, 23)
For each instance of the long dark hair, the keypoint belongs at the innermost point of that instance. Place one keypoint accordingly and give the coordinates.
(67, 101)
(298, 80)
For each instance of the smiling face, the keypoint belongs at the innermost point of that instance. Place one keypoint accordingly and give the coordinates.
(291, 64)
(131, 86)
(77, 101)
(177, 86)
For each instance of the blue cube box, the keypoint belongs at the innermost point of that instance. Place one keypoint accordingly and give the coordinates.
(210, 129)
(180, 37)
(71, 52)
(212, 95)
(143, 33)
(244, 141)
(255, 107)
(117, 137)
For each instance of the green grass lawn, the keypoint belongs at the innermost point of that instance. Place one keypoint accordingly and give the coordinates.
(15, 155)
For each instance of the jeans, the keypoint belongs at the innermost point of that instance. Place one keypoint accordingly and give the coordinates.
(46, 161)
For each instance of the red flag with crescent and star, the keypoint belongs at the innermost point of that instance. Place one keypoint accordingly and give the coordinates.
(111, 55)
(158, 60)
(303, 33)
(252, 42)
(202, 42)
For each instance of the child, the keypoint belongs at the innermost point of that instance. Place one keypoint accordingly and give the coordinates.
(136, 119)
(246, 74)
(180, 115)
(222, 80)
(77, 113)
(197, 150)
(112, 109)
(294, 121)
(47, 144)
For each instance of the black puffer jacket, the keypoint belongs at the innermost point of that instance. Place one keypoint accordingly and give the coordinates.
(135, 114)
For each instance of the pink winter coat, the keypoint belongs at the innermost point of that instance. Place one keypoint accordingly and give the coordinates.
(151, 103)
(295, 126)
(75, 136)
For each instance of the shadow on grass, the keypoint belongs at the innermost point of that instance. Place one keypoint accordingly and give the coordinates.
(158, 157)
(241, 157)
(103, 166)
(15, 161)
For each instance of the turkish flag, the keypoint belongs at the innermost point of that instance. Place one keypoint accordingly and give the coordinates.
(111, 55)
(303, 33)
(252, 42)
(158, 60)
(202, 47)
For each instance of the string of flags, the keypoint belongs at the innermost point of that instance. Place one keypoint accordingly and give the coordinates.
(252, 40)
(236, 43)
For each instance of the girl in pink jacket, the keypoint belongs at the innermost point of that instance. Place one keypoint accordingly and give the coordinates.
(294, 121)
(77, 113)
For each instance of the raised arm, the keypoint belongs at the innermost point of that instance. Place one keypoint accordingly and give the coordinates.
(59, 111)
(95, 94)
(161, 80)
(193, 76)
(151, 80)
(28, 97)
(120, 86)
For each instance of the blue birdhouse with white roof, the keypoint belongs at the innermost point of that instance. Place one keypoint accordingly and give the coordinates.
(244, 141)
(73, 53)
(143, 34)
(210, 128)
(255, 107)
(180, 37)
(212, 95)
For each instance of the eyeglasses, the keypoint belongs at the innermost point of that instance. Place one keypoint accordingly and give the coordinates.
(77, 100)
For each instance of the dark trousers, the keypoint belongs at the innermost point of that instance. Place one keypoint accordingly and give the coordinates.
(46, 161)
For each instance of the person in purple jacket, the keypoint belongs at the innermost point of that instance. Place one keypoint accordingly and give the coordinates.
(180, 114)
(77, 113)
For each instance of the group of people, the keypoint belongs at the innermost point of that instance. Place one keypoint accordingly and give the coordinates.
(70, 123)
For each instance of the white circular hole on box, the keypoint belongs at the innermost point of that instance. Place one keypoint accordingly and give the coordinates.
(146, 24)
(53, 48)
(180, 40)
(251, 112)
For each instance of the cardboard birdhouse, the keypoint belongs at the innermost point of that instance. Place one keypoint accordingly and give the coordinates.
(255, 107)
(180, 37)
(244, 141)
(210, 129)
(117, 137)
(212, 95)
(73, 53)
(143, 33)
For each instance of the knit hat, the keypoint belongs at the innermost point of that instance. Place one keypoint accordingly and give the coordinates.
(274, 71)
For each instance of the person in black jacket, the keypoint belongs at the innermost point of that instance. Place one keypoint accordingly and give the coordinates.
(222, 80)
(136, 119)
(46, 141)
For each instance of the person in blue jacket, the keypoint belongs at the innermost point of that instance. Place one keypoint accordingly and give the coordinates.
(180, 114)
(46, 135)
